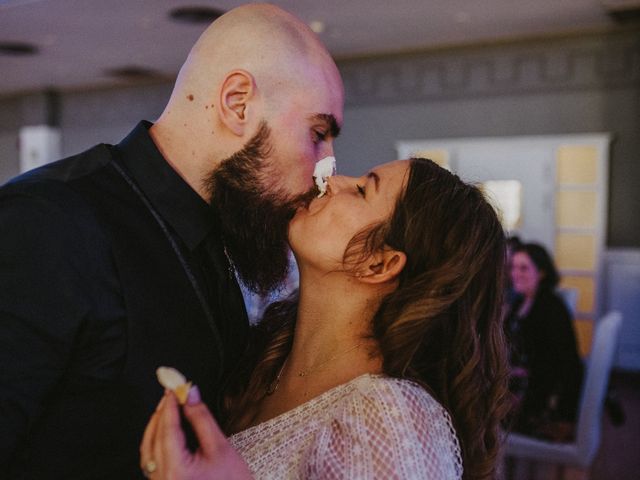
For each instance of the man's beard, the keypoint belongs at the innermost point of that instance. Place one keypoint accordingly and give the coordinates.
(254, 213)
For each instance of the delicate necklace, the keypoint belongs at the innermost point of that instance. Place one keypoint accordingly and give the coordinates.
(273, 386)
(306, 371)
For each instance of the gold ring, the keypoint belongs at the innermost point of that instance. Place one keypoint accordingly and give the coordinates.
(149, 467)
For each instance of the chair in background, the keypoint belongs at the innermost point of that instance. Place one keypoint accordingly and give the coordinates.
(574, 459)
(570, 297)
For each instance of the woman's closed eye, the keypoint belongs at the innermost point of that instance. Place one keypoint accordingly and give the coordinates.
(361, 190)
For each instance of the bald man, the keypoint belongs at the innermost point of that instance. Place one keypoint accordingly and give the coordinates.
(124, 257)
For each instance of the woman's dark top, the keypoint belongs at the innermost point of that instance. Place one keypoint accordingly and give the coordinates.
(543, 343)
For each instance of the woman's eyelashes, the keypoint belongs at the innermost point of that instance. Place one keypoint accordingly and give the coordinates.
(361, 190)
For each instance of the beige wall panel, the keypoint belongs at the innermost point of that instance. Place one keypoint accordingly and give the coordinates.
(575, 252)
(441, 157)
(584, 335)
(586, 291)
(577, 164)
(576, 209)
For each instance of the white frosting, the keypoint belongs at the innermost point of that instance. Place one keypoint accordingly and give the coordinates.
(170, 377)
(324, 169)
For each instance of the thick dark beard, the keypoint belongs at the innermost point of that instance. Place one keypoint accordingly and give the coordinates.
(254, 215)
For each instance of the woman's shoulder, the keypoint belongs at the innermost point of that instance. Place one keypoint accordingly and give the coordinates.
(401, 402)
(549, 295)
(549, 303)
(381, 384)
(391, 389)
(399, 417)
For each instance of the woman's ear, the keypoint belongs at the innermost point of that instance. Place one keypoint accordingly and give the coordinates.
(237, 90)
(383, 267)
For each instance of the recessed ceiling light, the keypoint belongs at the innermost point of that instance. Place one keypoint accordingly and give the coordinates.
(132, 72)
(17, 48)
(623, 11)
(317, 26)
(195, 14)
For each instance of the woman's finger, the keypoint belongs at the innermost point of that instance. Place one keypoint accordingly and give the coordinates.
(170, 444)
(210, 437)
(149, 437)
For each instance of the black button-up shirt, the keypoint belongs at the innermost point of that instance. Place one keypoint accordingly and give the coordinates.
(195, 225)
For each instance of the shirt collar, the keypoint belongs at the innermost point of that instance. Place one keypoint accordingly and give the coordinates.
(176, 202)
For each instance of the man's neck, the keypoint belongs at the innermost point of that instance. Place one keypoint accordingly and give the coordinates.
(184, 158)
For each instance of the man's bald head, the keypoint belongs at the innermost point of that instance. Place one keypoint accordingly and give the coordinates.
(256, 63)
(275, 47)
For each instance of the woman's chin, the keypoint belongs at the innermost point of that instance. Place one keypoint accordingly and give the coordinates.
(316, 205)
(293, 231)
(300, 213)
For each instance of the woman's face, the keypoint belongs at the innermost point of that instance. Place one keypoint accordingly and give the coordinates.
(525, 276)
(320, 234)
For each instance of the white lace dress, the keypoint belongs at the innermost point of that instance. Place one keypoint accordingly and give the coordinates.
(371, 427)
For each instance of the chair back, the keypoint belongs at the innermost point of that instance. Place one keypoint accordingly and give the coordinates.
(570, 298)
(595, 386)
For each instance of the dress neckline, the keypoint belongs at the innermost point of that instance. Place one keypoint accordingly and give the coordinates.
(305, 404)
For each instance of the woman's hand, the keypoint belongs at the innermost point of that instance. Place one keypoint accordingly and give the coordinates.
(165, 456)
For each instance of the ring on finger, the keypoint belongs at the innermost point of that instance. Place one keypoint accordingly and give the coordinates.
(149, 467)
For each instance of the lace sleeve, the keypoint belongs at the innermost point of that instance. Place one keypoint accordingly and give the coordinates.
(390, 429)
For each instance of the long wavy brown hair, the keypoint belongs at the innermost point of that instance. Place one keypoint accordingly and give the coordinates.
(441, 327)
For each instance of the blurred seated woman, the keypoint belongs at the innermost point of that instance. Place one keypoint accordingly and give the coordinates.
(391, 363)
(546, 367)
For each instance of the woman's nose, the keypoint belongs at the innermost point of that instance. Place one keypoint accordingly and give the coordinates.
(336, 183)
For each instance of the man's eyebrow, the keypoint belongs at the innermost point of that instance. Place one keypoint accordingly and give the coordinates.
(376, 179)
(330, 120)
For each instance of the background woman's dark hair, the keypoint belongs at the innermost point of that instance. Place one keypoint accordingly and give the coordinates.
(543, 262)
(441, 327)
(513, 242)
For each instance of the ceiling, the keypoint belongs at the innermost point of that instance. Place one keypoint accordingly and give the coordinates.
(79, 41)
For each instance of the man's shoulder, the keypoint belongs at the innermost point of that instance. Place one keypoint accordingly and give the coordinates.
(56, 176)
(48, 201)
(68, 186)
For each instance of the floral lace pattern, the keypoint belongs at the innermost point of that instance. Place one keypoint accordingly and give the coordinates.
(371, 427)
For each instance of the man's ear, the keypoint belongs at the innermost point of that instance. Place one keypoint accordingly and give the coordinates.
(236, 91)
(382, 267)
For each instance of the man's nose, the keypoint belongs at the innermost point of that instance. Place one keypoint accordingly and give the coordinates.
(326, 149)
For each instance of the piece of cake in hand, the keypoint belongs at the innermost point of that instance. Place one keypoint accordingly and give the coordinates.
(324, 169)
(173, 380)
